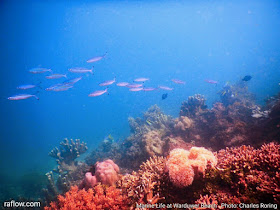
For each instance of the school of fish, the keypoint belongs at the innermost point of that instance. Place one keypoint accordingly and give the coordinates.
(136, 85)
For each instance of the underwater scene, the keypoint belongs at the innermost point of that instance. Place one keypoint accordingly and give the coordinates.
(140, 104)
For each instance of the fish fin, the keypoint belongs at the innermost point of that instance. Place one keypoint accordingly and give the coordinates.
(38, 85)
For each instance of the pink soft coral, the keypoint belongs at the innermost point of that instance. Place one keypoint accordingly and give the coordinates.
(182, 164)
(106, 172)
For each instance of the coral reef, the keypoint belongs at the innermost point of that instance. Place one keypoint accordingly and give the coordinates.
(237, 92)
(183, 123)
(170, 160)
(242, 175)
(218, 127)
(153, 119)
(195, 105)
(153, 143)
(69, 172)
(144, 186)
(146, 137)
(252, 175)
(67, 153)
(182, 165)
(269, 128)
(108, 149)
(105, 172)
(99, 197)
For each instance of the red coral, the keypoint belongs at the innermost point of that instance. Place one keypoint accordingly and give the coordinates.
(94, 198)
(106, 172)
(252, 173)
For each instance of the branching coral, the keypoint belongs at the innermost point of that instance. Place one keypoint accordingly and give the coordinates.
(69, 172)
(182, 164)
(97, 198)
(144, 186)
(68, 151)
(105, 172)
(252, 174)
(207, 202)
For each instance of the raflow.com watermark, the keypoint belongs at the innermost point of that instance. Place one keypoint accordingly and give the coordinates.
(21, 204)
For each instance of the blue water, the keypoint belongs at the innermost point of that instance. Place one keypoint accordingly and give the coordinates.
(162, 40)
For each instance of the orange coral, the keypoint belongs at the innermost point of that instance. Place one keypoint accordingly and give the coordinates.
(94, 198)
(182, 164)
(201, 157)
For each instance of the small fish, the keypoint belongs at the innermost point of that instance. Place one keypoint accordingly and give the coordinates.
(56, 76)
(122, 84)
(72, 81)
(25, 87)
(134, 85)
(52, 87)
(149, 89)
(148, 122)
(223, 92)
(211, 81)
(97, 58)
(22, 97)
(110, 137)
(98, 93)
(177, 81)
(59, 87)
(247, 78)
(141, 79)
(62, 88)
(164, 96)
(39, 70)
(81, 70)
(109, 82)
(256, 115)
(136, 89)
(165, 88)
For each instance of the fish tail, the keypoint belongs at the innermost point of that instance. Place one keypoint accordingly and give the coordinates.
(36, 97)
(91, 71)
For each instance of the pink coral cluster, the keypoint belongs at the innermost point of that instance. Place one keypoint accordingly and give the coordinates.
(182, 165)
(106, 172)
